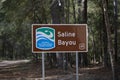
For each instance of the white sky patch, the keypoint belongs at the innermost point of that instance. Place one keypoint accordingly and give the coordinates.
(3, 0)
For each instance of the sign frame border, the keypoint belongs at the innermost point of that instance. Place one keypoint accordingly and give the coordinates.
(59, 51)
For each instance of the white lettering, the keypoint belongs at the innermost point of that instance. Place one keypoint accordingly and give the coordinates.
(66, 43)
(66, 34)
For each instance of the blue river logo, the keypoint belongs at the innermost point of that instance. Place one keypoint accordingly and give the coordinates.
(45, 38)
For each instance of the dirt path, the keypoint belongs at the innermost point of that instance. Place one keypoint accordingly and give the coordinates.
(7, 63)
(25, 70)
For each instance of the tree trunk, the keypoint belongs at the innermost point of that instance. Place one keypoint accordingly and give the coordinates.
(74, 13)
(115, 2)
(67, 3)
(57, 13)
(3, 45)
(84, 20)
(105, 43)
(109, 46)
(84, 11)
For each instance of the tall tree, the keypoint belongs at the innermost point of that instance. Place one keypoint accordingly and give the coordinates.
(115, 2)
(74, 11)
(57, 13)
(67, 11)
(84, 11)
(84, 21)
(109, 46)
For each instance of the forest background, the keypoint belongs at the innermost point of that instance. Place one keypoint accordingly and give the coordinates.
(101, 16)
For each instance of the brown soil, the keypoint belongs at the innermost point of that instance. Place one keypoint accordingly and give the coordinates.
(33, 71)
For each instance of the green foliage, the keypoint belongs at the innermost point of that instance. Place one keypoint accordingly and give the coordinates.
(16, 17)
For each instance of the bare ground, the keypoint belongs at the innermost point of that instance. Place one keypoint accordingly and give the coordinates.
(25, 70)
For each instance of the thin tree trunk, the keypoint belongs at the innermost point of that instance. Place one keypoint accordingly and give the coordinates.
(110, 48)
(67, 11)
(105, 43)
(79, 11)
(84, 20)
(4, 45)
(74, 13)
(115, 2)
(94, 46)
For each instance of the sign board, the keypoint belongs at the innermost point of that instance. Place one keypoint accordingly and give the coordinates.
(59, 38)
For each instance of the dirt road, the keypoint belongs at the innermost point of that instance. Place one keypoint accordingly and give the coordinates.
(7, 63)
(26, 70)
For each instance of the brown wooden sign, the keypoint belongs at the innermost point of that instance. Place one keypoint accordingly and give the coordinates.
(59, 38)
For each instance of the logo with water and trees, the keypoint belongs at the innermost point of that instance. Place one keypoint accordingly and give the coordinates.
(45, 38)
